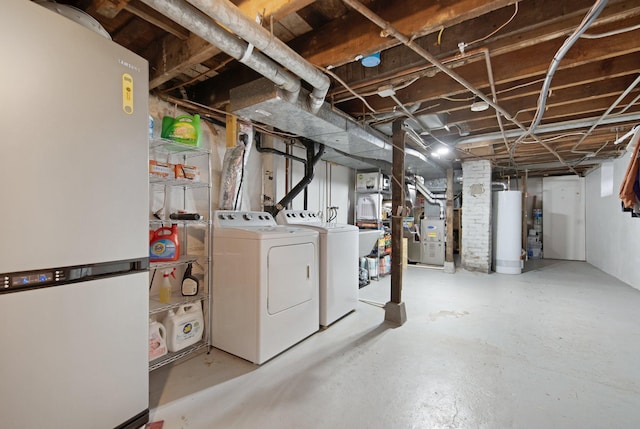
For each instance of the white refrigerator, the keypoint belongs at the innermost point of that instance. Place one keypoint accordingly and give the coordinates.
(73, 225)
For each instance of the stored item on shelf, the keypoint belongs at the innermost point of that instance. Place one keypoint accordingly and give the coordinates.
(164, 244)
(165, 286)
(190, 283)
(161, 169)
(187, 172)
(184, 129)
(372, 266)
(185, 216)
(184, 327)
(369, 207)
(372, 182)
(157, 340)
(151, 123)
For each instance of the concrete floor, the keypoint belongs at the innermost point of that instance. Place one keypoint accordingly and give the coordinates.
(555, 347)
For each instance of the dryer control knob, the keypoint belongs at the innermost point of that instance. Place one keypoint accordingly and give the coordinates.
(246, 216)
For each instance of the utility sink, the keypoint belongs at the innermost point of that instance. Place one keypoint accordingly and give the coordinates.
(368, 238)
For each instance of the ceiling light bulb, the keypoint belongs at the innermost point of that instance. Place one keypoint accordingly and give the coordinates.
(479, 105)
(443, 150)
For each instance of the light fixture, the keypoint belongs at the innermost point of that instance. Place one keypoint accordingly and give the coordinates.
(479, 105)
(442, 150)
(371, 60)
(626, 136)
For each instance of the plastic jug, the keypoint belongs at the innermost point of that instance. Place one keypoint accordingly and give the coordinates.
(157, 342)
(164, 244)
(184, 129)
(184, 327)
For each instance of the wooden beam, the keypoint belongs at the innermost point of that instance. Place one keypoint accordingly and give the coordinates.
(507, 68)
(276, 9)
(341, 40)
(109, 8)
(536, 21)
(143, 11)
(397, 210)
(172, 57)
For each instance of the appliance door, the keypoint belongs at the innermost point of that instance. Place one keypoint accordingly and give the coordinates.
(74, 176)
(292, 270)
(75, 355)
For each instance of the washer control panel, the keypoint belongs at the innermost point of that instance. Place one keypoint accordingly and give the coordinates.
(239, 219)
(296, 217)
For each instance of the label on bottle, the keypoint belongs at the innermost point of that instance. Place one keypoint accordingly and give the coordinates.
(189, 287)
(162, 249)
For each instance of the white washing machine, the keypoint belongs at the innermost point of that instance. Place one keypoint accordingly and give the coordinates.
(265, 285)
(339, 286)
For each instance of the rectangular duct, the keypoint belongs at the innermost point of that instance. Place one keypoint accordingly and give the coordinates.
(263, 102)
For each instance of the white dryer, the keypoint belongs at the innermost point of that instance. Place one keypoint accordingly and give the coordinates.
(339, 287)
(265, 285)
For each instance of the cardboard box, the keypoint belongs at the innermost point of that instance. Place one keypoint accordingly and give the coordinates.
(161, 169)
(372, 182)
(188, 172)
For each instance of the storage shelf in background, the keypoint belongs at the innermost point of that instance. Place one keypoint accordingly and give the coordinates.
(155, 306)
(174, 356)
(173, 147)
(168, 264)
(202, 222)
(184, 183)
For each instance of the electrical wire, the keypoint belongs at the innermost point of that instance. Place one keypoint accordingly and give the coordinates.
(610, 33)
(515, 12)
(348, 88)
(550, 139)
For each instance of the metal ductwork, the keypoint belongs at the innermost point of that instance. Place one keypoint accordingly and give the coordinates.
(430, 197)
(198, 23)
(263, 102)
(227, 14)
(278, 99)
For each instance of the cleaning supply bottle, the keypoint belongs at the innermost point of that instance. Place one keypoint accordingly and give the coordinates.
(157, 340)
(164, 244)
(184, 326)
(165, 286)
(190, 283)
(184, 129)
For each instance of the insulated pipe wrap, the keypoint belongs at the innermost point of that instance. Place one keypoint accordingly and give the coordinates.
(196, 22)
(231, 17)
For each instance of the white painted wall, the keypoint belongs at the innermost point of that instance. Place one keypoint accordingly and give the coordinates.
(332, 185)
(563, 218)
(612, 235)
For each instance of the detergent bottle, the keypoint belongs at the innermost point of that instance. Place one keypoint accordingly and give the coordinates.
(184, 326)
(157, 342)
(165, 286)
(184, 129)
(164, 244)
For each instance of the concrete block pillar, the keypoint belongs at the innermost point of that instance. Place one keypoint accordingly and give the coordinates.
(476, 216)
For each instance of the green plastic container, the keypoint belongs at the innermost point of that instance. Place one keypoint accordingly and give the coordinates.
(184, 129)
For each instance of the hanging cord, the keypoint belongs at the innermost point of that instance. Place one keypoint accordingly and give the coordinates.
(465, 45)
(243, 140)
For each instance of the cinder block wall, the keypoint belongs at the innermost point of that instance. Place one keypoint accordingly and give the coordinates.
(476, 216)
